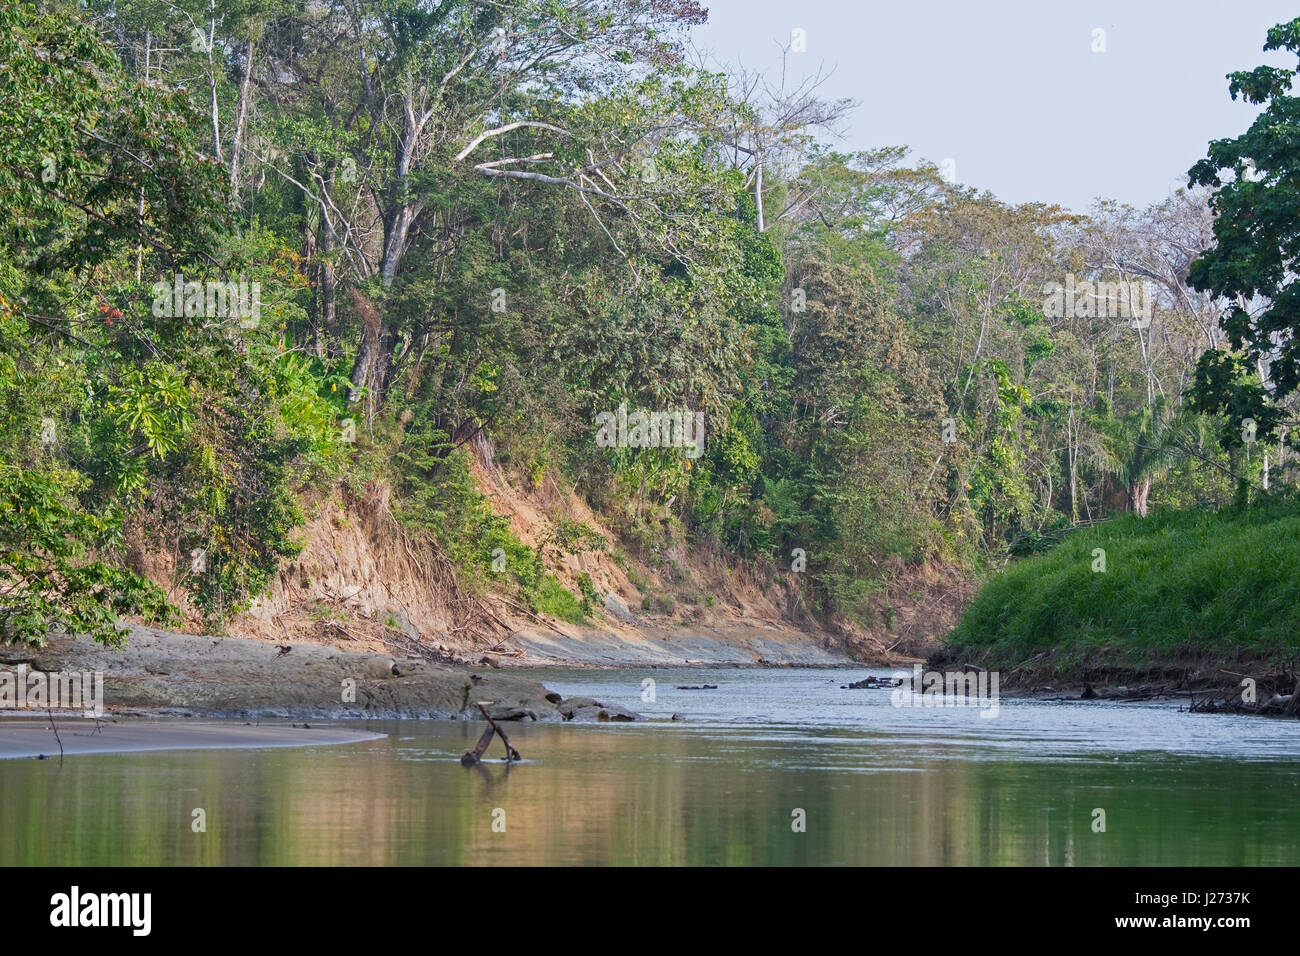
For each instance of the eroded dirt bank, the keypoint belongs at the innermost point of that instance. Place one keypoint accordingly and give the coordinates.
(160, 673)
(361, 585)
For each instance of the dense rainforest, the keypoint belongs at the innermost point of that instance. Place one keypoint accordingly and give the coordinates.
(253, 250)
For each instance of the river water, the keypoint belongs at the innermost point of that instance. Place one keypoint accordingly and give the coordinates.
(772, 767)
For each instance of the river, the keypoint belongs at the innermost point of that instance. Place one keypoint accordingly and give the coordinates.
(772, 767)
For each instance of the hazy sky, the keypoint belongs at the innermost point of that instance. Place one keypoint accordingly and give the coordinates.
(1012, 91)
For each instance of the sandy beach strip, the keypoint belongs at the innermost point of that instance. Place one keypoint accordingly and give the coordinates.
(23, 737)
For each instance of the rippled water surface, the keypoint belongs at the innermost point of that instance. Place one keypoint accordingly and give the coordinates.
(872, 783)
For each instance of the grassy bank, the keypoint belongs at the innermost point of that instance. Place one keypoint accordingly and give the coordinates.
(1178, 589)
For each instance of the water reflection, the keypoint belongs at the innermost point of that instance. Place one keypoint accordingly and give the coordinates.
(876, 787)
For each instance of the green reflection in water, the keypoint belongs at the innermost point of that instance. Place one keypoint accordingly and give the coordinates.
(648, 794)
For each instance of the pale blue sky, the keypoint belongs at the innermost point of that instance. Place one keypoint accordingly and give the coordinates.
(1011, 91)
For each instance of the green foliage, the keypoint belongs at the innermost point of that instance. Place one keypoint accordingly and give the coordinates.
(552, 597)
(1225, 583)
(1257, 247)
(462, 247)
(1226, 387)
(189, 429)
(572, 537)
(52, 582)
(441, 503)
(589, 595)
(69, 116)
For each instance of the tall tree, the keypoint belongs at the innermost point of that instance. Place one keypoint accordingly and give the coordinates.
(1256, 255)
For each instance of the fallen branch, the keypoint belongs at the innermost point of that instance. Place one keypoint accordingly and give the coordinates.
(55, 728)
(511, 752)
(473, 757)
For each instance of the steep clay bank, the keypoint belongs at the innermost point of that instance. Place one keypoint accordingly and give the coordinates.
(361, 585)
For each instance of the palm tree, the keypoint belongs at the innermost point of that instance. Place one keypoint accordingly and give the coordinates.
(1147, 444)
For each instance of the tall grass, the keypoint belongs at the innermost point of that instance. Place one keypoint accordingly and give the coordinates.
(1223, 585)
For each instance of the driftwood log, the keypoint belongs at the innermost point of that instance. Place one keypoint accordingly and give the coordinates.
(475, 756)
(1280, 704)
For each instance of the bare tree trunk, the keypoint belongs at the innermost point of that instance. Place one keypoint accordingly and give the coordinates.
(371, 330)
(397, 227)
(241, 116)
(328, 294)
(212, 84)
(361, 367)
(1138, 493)
(401, 210)
(397, 231)
(384, 361)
